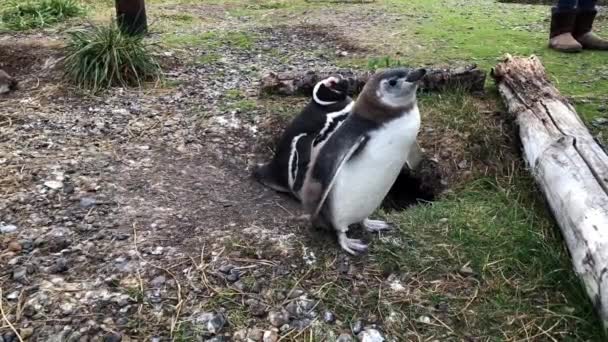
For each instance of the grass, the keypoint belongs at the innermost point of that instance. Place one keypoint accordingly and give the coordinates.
(29, 14)
(101, 57)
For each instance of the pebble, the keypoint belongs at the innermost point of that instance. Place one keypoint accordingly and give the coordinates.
(60, 266)
(158, 281)
(112, 338)
(14, 246)
(13, 295)
(19, 273)
(55, 185)
(233, 276)
(270, 336)
(277, 319)
(357, 327)
(371, 335)
(329, 317)
(256, 308)
(87, 202)
(214, 322)
(255, 334)
(424, 319)
(7, 228)
(240, 335)
(226, 268)
(26, 333)
(344, 338)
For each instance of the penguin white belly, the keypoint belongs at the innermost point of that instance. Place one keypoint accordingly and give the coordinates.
(365, 180)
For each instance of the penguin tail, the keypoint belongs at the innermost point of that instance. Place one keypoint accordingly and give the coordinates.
(264, 174)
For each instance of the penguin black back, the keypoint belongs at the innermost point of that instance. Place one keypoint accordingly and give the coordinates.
(329, 96)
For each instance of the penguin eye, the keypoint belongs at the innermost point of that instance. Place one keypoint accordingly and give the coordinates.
(392, 82)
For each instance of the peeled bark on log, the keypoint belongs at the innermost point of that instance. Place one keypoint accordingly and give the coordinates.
(568, 165)
(468, 78)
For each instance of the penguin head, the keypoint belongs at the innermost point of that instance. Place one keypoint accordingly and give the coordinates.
(396, 88)
(331, 90)
(389, 93)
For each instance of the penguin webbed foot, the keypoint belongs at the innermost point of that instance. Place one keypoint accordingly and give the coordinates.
(375, 226)
(352, 246)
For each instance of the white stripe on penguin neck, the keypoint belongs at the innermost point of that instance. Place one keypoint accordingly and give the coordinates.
(317, 100)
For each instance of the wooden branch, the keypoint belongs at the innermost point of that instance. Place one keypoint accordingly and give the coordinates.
(468, 78)
(569, 166)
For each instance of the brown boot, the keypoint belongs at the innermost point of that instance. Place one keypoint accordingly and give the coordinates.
(562, 26)
(582, 31)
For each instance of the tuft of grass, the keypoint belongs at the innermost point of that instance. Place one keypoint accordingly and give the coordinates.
(29, 14)
(102, 56)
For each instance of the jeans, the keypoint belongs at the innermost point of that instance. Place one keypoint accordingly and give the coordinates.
(572, 4)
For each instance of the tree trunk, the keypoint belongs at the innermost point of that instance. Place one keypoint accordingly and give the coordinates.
(569, 166)
(131, 16)
(467, 78)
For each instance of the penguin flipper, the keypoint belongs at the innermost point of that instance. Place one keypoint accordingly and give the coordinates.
(318, 190)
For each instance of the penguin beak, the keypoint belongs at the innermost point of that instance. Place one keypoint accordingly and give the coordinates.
(416, 75)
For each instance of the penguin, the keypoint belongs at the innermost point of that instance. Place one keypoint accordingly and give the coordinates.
(7, 83)
(328, 107)
(354, 169)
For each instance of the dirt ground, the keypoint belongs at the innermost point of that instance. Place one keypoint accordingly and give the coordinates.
(131, 215)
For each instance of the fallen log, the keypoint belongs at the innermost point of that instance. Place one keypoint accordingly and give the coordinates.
(468, 78)
(569, 166)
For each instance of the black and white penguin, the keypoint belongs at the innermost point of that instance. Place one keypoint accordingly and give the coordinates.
(329, 106)
(351, 173)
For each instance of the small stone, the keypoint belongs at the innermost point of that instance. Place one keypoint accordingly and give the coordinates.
(466, 271)
(301, 324)
(233, 276)
(26, 333)
(599, 122)
(256, 308)
(216, 324)
(68, 189)
(226, 268)
(357, 327)
(255, 334)
(443, 220)
(463, 164)
(240, 335)
(112, 338)
(87, 202)
(74, 337)
(371, 335)
(158, 281)
(284, 328)
(424, 319)
(67, 308)
(277, 319)
(344, 338)
(60, 266)
(14, 246)
(19, 273)
(7, 228)
(55, 185)
(329, 317)
(13, 295)
(270, 336)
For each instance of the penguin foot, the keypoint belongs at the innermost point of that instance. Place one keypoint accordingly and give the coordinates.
(375, 226)
(352, 246)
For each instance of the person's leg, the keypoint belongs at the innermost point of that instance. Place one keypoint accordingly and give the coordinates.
(563, 21)
(584, 25)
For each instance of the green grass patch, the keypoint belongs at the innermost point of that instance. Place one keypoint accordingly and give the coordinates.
(29, 14)
(504, 235)
(102, 57)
